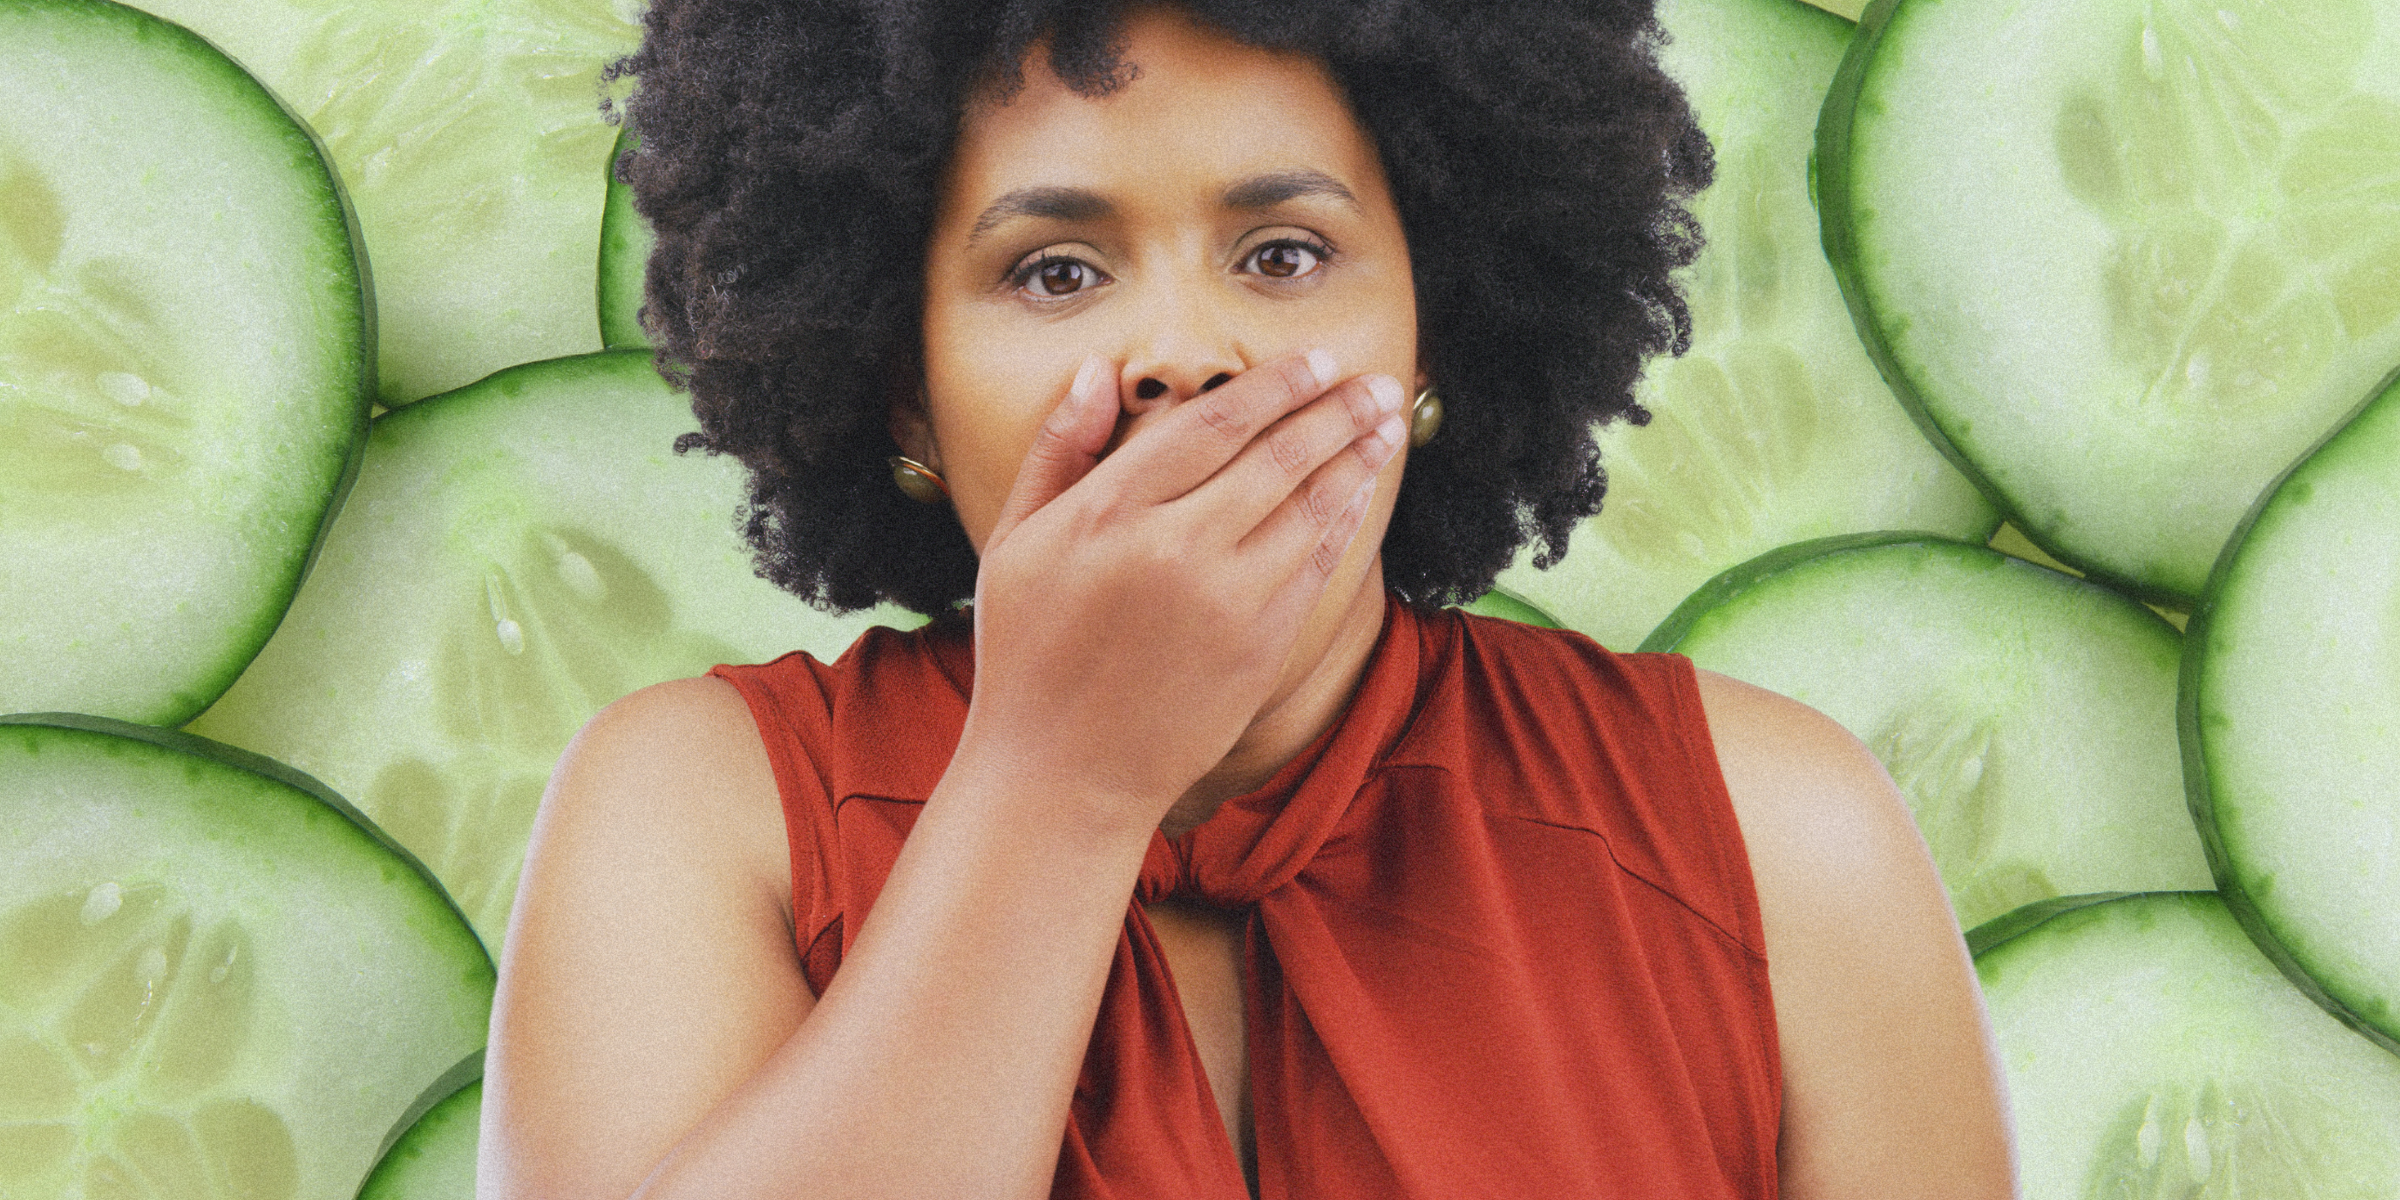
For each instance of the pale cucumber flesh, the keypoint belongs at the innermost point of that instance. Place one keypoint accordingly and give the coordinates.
(435, 1158)
(2151, 1052)
(625, 242)
(1775, 427)
(471, 137)
(184, 362)
(2026, 716)
(2132, 268)
(514, 556)
(214, 983)
(2292, 712)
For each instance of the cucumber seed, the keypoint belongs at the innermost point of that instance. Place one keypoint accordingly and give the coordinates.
(512, 637)
(581, 577)
(124, 388)
(123, 456)
(102, 902)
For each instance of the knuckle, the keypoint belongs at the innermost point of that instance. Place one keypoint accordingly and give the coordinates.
(1359, 402)
(1326, 557)
(1290, 453)
(1299, 381)
(1215, 412)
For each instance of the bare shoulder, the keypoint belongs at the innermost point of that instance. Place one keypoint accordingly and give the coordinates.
(673, 771)
(649, 966)
(1891, 1087)
(1815, 793)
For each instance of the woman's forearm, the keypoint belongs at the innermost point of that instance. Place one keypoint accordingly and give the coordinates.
(942, 1058)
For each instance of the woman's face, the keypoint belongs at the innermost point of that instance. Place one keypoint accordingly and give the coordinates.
(1220, 210)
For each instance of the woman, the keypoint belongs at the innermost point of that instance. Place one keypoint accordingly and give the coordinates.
(1192, 846)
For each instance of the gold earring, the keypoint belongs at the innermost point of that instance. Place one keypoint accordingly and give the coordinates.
(1424, 418)
(917, 481)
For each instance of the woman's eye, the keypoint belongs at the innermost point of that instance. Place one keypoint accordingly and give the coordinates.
(1286, 259)
(1055, 276)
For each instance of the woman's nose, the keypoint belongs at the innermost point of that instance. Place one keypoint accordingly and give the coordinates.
(1177, 348)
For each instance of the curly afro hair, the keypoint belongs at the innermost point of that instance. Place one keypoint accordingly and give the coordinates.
(790, 151)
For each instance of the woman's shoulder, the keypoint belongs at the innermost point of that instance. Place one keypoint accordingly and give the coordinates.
(1889, 1073)
(678, 765)
(1814, 804)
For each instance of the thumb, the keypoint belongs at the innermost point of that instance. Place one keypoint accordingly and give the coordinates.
(1065, 449)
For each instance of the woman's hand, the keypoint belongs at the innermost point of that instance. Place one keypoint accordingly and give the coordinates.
(1133, 614)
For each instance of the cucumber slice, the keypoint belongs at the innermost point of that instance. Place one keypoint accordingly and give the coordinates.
(1497, 603)
(514, 556)
(434, 1157)
(2025, 715)
(216, 979)
(184, 362)
(2151, 1051)
(2291, 711)
(470, 135)
(2132, 267)
(1774, 428)
(625, 242)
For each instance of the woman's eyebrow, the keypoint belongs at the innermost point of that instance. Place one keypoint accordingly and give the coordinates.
(1049, 203)
(1275, 187)
(1079, 204)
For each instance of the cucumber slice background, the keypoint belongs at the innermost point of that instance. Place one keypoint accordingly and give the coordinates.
(515, 555)
(2027, 716)
(1775, 427)
(2132, 267)
(2151, 1051)
(2291, 717)
(220, 982)
(470, 135)
(184, 362)
(434, 1159)
(625, 243)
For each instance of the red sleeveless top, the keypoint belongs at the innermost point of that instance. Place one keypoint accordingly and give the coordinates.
(1501, 936)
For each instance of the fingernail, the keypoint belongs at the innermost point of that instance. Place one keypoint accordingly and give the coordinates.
(1390, 432)
(1386, 391)
(1320, 364)
(1085, 376)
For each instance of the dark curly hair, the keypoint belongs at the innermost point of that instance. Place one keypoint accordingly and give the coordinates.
(790, 151)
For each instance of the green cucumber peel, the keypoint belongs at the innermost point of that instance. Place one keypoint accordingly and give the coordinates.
(1509, 606)
(474, 169)
(1775, 426)
(516, 555)
(465, 1071)
(625, 242)
(257, 764)
(1736, 580)
(242, 462)
(2023, 920)
(2345, 1003)
(2024, 715)
(2150, 1051)
(2232, 294)
(422, 1150)
(199, 949)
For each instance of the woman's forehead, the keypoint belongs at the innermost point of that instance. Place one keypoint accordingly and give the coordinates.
(1197, 111)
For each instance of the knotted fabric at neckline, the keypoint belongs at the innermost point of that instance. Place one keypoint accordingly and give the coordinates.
(1260, 840)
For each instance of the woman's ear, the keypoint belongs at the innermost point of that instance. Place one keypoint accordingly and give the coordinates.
(912, 428)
